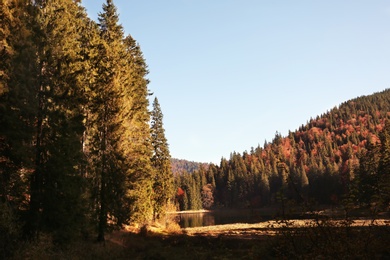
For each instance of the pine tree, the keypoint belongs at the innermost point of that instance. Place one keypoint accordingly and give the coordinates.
(137, 141)
(367, 177)
(163, 180)
(17, 99)
(108, 164)
(56, 184)
(384, 168)
(16, 118)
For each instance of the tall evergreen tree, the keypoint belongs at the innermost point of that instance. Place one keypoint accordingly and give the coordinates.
(17, 98)
(384, 168)
(56, 184)
(163, 180)
(136, 142)
(367, 177)
(108, 161)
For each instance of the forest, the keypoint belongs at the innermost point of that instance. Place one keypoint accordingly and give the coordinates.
(82, 153)
(340, 154)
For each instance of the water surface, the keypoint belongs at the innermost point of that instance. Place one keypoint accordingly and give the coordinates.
(221, 217)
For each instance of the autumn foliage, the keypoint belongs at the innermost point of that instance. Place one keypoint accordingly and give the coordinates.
(319, 161)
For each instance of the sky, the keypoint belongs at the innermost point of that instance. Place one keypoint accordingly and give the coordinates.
(229, 74)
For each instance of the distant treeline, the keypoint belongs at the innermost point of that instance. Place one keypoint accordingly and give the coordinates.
(342, 152)
(180, 166)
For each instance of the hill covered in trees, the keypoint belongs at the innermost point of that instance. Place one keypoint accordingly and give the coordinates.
(341, 152)
(180, 165)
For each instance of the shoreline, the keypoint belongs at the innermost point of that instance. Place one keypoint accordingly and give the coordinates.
(269, 228)
(189, 211)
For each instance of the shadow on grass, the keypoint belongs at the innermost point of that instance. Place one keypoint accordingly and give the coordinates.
(322, 240)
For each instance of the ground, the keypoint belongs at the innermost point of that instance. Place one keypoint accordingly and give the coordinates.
(266, 240)
(269, 228)
(292, 239)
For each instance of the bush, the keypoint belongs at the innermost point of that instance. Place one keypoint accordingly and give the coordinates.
(328, 236)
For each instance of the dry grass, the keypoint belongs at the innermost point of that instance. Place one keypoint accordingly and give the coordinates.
(270, 228)
(288, 239)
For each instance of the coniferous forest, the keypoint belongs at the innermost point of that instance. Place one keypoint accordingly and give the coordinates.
(342, 153)
(82, 153)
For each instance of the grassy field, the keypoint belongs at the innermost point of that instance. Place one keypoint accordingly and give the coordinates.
(269, 240)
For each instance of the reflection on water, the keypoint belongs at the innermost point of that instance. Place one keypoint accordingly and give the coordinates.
(219, 218)
(196, 219)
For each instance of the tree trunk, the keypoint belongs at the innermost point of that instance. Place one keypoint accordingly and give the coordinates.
(37, 178)
(103, 190)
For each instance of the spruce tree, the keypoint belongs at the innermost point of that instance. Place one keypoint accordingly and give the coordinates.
(384, 169)
(136, 140)
(17, 99)
(105, 128)
(367, 177)
(163, 180)
(117, 137)
(56, 183)
(16, 119)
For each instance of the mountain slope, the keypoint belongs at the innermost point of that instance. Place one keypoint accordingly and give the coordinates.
(180, 165)
(320, 160)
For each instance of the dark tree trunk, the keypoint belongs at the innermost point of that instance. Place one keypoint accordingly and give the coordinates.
(37, 178)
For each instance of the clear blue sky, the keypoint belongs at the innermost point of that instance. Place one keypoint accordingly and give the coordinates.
(230, 73)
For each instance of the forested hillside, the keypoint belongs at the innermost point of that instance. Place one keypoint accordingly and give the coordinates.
(179, 166)
(79, 151)
(341, 152)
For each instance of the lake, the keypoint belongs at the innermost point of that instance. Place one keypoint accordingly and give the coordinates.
(220, 217)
